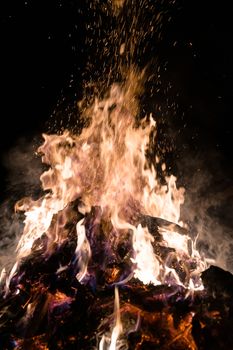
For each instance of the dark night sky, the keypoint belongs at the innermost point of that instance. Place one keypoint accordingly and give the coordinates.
(43, 48)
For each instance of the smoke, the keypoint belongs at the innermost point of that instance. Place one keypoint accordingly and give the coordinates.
(23, 169)
(10, 229)
(208, 205)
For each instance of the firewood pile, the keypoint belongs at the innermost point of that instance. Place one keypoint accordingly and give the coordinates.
(46, 306)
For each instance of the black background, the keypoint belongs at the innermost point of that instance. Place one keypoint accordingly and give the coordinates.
(43, 56)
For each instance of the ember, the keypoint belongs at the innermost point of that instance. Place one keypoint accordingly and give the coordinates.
(104, 261)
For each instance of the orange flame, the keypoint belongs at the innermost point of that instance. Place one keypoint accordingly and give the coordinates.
(106, 166)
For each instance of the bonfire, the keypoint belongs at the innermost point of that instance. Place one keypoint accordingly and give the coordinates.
(104, 260)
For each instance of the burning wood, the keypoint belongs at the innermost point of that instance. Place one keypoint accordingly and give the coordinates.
(108, 222)
(47, 308)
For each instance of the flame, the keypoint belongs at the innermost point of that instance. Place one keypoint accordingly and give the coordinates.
(118, 326)
(83, 250)
(106, 166)
(117, 329)
(147, 265)
(3, 275)
(105, 170)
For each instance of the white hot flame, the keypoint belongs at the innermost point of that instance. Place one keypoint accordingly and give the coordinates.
(117, 329)
(147, 265)
(83, 251)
